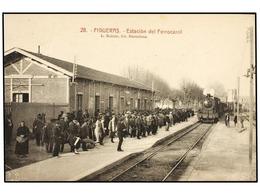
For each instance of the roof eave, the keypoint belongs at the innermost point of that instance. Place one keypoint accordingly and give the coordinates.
(15, 49)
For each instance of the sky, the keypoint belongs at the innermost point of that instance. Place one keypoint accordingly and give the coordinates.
(203, 48)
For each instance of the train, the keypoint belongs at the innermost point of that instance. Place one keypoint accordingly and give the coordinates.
(211, 110)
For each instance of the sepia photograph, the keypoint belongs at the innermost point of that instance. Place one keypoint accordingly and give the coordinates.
(129, 97)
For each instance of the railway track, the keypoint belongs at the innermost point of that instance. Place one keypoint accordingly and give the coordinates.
(158, 163)
(182, 157)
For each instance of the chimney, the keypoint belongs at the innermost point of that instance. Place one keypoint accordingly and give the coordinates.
(39, 49)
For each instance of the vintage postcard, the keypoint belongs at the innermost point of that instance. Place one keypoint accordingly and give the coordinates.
(153, 97)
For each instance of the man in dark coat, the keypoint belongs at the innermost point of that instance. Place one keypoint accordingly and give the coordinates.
(121, 127)
(57, 139)
(79, 117)
(85, 114)
(235, 120)
(22, 140)
(8, 129)
(74, 136)
(167, 120)
(48, 137)
(106, 123)
(132, 126)
(138, 122)
(153, 125)
(37, 129)
(227, 119)
(63, 127)
(84, 133)
(143, 125)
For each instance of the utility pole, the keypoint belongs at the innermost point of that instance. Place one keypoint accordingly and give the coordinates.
(251, 75)
(73, 81)
(153, 94)
(234, 100)
(238, 85)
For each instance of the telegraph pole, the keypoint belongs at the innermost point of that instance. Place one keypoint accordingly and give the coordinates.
(238, 85)
(251, 75)
(234, 101)
(153, 95)
(73, 81)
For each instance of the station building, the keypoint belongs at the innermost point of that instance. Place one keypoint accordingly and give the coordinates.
(36, 83)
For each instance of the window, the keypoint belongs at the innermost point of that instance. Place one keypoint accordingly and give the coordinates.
(20, 97)
(79, 101)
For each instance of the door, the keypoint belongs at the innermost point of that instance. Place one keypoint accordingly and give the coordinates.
(79, 101)
(131, 103)
(110, 104)
(138, 104)
(122, 104)
(97, 104)
(145, 104)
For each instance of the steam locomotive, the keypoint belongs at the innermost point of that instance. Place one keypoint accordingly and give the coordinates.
(211, 110)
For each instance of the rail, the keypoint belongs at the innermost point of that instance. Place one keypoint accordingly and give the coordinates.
(153, 153)
(179, 161)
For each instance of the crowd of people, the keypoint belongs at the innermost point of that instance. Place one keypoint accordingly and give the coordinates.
(80, 129)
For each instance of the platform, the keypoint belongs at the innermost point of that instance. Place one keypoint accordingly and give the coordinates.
(224, 157)
(71, 167)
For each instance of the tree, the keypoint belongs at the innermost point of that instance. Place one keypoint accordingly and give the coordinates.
(149, 79)
(191, 91)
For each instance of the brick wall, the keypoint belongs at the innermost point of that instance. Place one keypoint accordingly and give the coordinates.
(89, 89)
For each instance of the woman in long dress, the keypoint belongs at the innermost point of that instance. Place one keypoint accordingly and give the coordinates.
(22, 140)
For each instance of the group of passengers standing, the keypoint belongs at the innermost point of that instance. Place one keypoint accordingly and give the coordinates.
(79, 129)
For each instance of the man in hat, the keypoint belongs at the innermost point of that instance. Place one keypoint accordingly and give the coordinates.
(85, 133)
(106, 123)
(121, 127)
(227, 119)
(57, 139)
(138, 122)
(63, 127)
(38, 128)
(167, 120)
(74, 137)
(143, 125)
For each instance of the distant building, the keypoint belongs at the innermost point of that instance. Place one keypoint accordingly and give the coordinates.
(36, 83)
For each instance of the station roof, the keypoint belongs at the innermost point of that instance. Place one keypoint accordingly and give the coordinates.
(82, 71)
